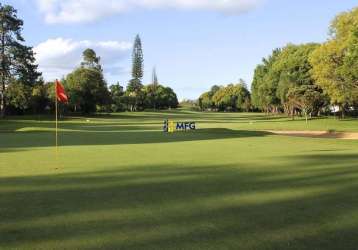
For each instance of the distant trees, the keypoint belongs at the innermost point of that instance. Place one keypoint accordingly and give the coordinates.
(335, 62)
(265, 84)
(151, 91)
(138, 96)
(305, 79)
(117, 97)
(283, 77)
(233, 97)
(86, 85)
(17, 65)
(88, 91)
(306, 98)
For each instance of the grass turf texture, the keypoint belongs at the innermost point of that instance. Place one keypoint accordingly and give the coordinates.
(123, 184)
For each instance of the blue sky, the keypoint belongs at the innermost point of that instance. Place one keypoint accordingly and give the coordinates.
(194, 44)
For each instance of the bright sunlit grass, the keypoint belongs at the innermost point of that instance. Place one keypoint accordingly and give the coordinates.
(121, 183)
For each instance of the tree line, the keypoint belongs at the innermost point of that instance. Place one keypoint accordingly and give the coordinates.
(311, 79)
(307, 79)
(233, 97)
(23, 89)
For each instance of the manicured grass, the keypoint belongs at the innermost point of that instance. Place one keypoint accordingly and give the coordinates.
(120, 183)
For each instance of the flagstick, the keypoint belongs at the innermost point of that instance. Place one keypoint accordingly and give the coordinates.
(56, 112)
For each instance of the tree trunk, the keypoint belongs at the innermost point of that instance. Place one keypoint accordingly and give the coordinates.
(2, 101)
(3, 74)
(306, 116)
(342, 112)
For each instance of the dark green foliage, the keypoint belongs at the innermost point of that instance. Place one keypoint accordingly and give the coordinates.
(265, 84)
(22, 98)
(134, 88)
(335, 62)
(86, 86)
(86, 89)
(229, 98)
(137, 57)
(158, 97)
(155, 77)
(283, 80)
(307, 98)
(16, 60)
(17, 97)
(117, 93)
(40, 99)
(135, 84)
(205, 101)
(90, 60)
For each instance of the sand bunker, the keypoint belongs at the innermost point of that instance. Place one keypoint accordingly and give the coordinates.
(318, 134)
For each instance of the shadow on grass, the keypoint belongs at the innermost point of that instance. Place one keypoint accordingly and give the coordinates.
(187, 207)
(109, 137)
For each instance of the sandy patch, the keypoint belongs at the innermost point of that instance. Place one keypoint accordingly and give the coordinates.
(318, 134)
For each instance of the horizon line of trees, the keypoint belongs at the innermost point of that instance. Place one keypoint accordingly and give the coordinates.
(233, 97)
(307, 79)
(312, 78)
(24, 91)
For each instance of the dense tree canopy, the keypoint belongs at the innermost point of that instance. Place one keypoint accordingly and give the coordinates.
(306, 79)
(233, 97)
(16, 60)
(284, 82)
(86, 85)
(335, 63)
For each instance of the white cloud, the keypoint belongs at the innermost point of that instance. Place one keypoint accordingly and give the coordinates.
(57, 57)
(76, 11)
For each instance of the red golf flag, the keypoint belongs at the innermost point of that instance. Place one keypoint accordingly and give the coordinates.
(60, 92)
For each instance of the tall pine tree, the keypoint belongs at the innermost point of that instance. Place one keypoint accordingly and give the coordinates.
(152, 89)
(155, 77)
(16, 59)
(135, 84)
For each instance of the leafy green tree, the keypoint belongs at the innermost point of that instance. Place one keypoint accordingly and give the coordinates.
(232, 97)
(151, 91)
(307, 98)
(257, 82)
(265, 84)
(117, 93)
(166, 97)
(160, 96)
(18, 97)
(90, 59)
(335, 61)
(206, 102)
(16, 59)
(294, 70)
(39, 97)
(87, 88)
(285, 71)
(243, 97)
(214, 89)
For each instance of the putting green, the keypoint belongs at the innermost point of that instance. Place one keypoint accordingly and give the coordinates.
(121, 183)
